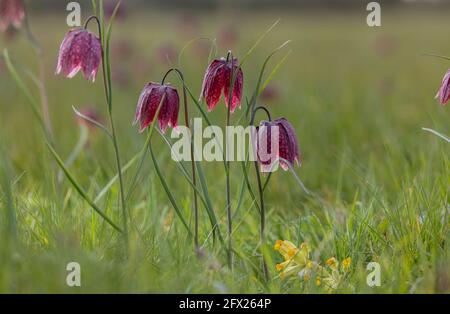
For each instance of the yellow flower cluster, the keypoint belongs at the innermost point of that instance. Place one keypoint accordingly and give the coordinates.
(295, 259)
(297, 262)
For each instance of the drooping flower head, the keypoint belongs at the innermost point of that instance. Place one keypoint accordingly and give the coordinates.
(80, 50)
(12, 13)
(148, 104)
(284, 150)
(444, 92)
(218, 80)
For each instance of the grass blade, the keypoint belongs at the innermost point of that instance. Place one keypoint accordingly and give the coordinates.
(206, 200)
(79, 189)
(442, 136)
(167, 189)
(114, 179)
(260, 39)
(93, 122)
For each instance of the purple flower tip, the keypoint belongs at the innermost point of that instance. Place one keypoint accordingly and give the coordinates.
(217, 80)
(80, 50)
(148, 104)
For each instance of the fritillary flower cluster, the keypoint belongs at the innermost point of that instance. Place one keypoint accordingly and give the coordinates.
(82, 50)
(297, 263)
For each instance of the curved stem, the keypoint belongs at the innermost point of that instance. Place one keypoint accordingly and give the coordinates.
(113, 129)
(261, 192)
(194, 179)
(100, 36)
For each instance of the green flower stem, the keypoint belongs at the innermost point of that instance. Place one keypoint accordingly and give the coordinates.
(194, 179)
(227, 174)
(108, 96)
(261, 196)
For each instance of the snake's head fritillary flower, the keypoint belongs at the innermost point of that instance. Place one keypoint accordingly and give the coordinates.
(80, 50)
(288, 151)
(444, 92)
(12, 13)
(148, 104)
(217, 80)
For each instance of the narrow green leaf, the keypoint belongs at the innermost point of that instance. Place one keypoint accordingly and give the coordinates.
(92, 121)
(115, 178)
(442, 136)
(79, 189)
(205, 199)
(273, 72)
(167, 189)
(260, 39)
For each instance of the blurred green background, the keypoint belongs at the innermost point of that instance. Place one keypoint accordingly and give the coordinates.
(357, 96)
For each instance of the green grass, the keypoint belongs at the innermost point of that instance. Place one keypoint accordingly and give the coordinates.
(357, 97)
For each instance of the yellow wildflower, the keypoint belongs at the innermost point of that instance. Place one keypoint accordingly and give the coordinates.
(287, 249)
(282, 266)
(331, 262)
(346, 263)
(292, 252)
(277, 245)
(318, 281)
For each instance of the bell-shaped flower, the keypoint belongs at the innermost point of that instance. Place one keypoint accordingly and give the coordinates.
(276, 141)
(80, 50)
(444, 92)
(151, 97)
(12, 13)
(217, 80)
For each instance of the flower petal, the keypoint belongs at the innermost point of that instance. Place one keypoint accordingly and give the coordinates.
(292, 141)
(237, 89)
(213, 83)
(444, 91)
(150, 105)
(169, 111)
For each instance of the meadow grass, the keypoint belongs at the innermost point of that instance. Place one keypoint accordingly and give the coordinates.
(358, 98)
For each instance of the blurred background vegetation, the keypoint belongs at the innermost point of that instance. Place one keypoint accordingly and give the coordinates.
(357, 96)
